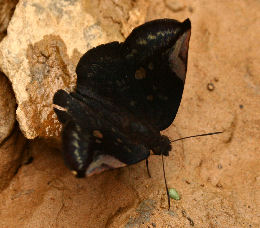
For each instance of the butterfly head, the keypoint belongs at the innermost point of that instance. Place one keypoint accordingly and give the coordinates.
(162, 146)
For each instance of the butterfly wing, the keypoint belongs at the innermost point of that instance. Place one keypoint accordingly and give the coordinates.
(145, 74)
(113, 150)
(101, 70)
(76, 142)
(157, 54)
(89, 144)
(90, 151)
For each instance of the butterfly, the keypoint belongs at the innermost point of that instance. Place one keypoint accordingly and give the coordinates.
(126, 93)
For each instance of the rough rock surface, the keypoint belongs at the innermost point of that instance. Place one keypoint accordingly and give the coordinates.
(44, 43)
(217, 177)
(6, 11)
(11, 139)
(7, 107)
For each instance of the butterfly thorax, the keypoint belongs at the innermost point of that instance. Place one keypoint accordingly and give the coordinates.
(119, 121)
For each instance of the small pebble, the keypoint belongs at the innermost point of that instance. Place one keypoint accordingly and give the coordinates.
(218, 185)
(191, 221)
(210, 86)
(187, 182)
(171, 213)
(220, 166)
(190, 9)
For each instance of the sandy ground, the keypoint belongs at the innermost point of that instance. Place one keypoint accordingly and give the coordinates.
(217, 176)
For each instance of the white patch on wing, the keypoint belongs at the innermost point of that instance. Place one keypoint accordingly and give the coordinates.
(75, 143)
(103, 162)
(180, 49)
(75, 135)
(60, 108)
(78, 158)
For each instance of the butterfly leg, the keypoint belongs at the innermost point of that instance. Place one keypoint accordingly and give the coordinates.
(147, 167)
(165, 183)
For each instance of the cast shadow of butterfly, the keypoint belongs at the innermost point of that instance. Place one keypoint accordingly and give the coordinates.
(126, 93)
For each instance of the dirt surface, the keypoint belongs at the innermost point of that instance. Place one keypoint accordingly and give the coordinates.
(217, 176)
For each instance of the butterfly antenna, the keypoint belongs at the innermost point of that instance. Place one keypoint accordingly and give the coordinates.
(166, 186)
(193, 136)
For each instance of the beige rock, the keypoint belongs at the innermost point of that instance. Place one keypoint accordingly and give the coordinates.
(117, 18)
(7, 107)
(6, 11)
(44, 43)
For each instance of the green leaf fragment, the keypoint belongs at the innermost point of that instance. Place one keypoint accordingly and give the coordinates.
(174, 194)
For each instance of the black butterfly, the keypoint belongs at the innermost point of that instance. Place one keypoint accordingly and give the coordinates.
(126, 93)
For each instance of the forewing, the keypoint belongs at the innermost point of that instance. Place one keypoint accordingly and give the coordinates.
(145, 74)
(157, 59)
(101, 71)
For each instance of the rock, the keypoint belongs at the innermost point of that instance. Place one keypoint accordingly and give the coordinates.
(117, 18)
(10, 156)
(44, 43)
(144, 212)
(7, 107)
(6, 12)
